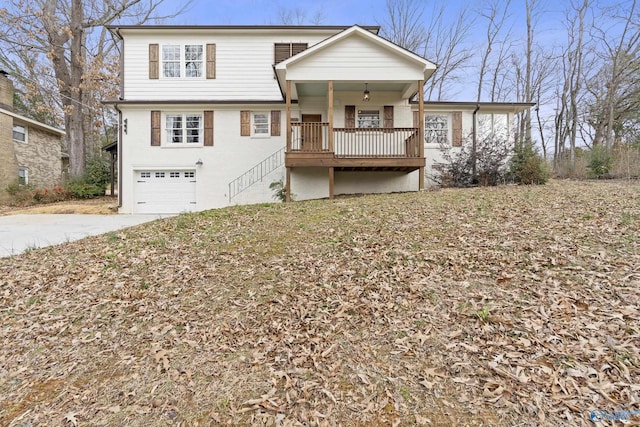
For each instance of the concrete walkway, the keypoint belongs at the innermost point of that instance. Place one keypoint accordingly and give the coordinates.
(21, 232)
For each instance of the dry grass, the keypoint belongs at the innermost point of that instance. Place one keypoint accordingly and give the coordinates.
(97, 206)
(501, 306)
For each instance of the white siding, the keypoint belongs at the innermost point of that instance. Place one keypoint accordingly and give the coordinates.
(355, 58)
(244, 66)
(375, 182)
(230, 156)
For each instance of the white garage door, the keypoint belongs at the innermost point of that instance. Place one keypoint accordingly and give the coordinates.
(165, 191)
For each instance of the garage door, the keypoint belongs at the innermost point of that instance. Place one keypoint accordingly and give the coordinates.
(165, 191)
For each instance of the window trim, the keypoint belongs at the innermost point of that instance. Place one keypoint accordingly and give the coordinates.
(184, 144)
(183, 61)
(25, 133)
(26, 175)
(266, 125)
(448, 128)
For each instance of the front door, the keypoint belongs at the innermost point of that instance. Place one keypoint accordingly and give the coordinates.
(311, 132)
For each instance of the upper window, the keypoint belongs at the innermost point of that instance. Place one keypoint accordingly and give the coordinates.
(436, 129)
(184, 129)
(182, 60)
(260, 120)
(368, 118)
(285, 51)
(23, 176)
(19, 133)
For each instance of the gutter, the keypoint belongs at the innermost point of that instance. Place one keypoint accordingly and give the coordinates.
(474, 144)
(119, 151)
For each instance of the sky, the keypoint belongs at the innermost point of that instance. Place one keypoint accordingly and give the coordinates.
(349, 12)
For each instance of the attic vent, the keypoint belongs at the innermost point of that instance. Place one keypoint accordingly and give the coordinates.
(283, 51)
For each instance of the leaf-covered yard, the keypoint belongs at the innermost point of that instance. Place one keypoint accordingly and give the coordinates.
(502, 306)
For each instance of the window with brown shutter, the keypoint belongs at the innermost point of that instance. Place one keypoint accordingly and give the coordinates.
(283, 51)
(155, 128)
(208, 128)
(350, 116)
(416, 119)
(245, 123)
(456, 125)
(211, 61)
(275, 123)
(154, 56)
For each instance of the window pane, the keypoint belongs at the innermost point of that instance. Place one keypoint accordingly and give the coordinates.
(261, 123)
(193, 52)
(19, 133)
(171, 69)
(171, 53)
(174, 129)
(368, 119)
(436, 130)
(23, 176)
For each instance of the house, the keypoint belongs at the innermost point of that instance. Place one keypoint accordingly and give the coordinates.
(30, 151)
(210, 116)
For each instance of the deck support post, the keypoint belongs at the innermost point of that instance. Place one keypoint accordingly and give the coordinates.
(288, 149)
(331, 182)
(421, 131)
(330, 113)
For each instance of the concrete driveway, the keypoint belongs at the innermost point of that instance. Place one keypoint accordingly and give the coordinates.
(21, 232)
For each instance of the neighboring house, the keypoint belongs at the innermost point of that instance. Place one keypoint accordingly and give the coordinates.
(30, 151)
(211, 115)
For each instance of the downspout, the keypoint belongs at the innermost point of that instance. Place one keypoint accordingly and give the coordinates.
(474, 143)
(119, 154)
(119, 145)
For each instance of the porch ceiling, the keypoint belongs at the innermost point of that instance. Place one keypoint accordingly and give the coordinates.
(321, 88)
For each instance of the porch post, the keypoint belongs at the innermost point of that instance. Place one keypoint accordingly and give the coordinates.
(421, 131)
(331, 182)
(330, 112)
(288, 149)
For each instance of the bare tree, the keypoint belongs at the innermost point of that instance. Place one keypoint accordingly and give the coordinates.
(432, 36)
(571, 93)
(299, 16)
(71, 55)
(617, 88)
(496, 15)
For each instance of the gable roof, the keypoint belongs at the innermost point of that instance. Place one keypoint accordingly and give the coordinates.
(356, 29)
(33, 123)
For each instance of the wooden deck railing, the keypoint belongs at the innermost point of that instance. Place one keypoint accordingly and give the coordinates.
(350, 142)
(310, 137)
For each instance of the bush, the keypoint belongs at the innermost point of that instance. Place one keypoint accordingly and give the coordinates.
(528, 167)
(93, 182)
(279, 191)
(600, 161)
(492, 154)
(97, 172)
(80, 188)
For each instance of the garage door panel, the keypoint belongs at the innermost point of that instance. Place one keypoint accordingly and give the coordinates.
(165, 191)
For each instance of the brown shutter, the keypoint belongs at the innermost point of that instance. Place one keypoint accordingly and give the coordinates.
(388, 117)
(350, 116)
(154, 64)
(155, 128)
(281, 52)
(208, 128)
(457, 129)
(245, 123)
(211, 61)
(284, 51)
(416, 119)
(296, 48)
(275, 123)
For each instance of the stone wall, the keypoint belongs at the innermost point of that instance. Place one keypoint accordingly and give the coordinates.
(41, 156)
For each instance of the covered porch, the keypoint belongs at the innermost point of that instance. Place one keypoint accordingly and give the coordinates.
(348, 109)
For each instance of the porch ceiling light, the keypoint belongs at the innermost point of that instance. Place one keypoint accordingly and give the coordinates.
(366, 94)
